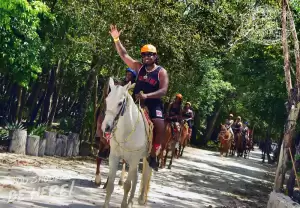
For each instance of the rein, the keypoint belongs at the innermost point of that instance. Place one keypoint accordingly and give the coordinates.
(115, 122)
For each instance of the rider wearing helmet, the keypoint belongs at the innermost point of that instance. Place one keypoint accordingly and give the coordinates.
(187, 113)
(174, 112)
(151, 85)
(130, 76)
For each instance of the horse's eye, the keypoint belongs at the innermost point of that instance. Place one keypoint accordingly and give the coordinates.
(120, 103)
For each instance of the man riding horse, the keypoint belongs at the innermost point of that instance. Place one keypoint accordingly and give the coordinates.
(246, 139)
(188, 114)
(174, 113)
(151, 85)
(237, 129)
(229, 122)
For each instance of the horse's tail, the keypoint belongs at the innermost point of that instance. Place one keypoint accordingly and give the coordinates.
(145, 182)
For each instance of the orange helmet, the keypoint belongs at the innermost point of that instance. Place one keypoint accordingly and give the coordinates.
(148, 48)
(179, 96)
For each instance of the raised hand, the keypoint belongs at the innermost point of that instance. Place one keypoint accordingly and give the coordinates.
(114, 32)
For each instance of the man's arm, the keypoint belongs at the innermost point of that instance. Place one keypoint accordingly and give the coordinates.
(163, 86)
(130, 62)
(134, 64)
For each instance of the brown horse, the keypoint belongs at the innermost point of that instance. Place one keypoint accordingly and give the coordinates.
(169, 144)
(248, 147)
(239, 143)
(104, 146)
(225, 140)
(184, 137)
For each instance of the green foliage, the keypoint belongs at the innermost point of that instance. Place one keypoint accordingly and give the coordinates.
(224, 53)
(20, 42)
(15, 126)
(38, 130)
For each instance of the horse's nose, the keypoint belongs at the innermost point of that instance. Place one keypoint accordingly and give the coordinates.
(107, 128)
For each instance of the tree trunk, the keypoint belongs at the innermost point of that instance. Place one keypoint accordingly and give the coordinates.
(35, 110)
(212, 123)
(18, 141)
(32, 147)
(23, 98)
(50, 89)
(50, 143)
(296, 48)
(56, 95)
(85, 96)
(287, 73)
(94, 126)
(19, 102)
(286, 143)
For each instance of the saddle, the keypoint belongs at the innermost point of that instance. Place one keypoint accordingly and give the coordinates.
(148, 126)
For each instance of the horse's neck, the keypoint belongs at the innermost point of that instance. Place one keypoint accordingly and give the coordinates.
(130, 116)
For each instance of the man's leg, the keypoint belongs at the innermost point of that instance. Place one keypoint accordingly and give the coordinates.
(156, 115)
(159, 136)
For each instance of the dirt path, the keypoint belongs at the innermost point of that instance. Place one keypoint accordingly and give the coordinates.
(200, 179)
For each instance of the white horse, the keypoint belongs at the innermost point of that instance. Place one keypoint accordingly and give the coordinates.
(129, 141)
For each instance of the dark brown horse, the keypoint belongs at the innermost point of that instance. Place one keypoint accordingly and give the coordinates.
(239, 143)
(184, 137)
(169, 144)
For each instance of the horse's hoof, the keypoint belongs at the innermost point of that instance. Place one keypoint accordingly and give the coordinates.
(104, 187)
(124, 205)
(121, 183)
(142, 200)
(98, 180)
(169, 167)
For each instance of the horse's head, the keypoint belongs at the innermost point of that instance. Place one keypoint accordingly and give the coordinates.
(115, 105)
(223, 127)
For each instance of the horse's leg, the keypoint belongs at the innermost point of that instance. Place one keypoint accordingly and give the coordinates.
(105, 185)
(146, 177)
(121, 181)
(113, 166)
(133, 185)
(183, 145)
(161, 157)
(178, 153)
(166, 156)
(132, 176)
(172, 154)
(98, 176)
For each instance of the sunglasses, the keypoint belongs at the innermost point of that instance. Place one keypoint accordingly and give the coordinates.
(147, 54)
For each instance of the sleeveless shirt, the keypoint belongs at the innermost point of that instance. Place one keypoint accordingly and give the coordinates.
(148, 82)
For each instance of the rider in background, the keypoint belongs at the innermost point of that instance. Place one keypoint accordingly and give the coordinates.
(174, 112)
(187, 113)
(151, 85)
(229, 122)
(245, 133)
(238, 125)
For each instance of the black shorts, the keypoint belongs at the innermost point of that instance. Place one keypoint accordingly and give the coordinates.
(155, 111)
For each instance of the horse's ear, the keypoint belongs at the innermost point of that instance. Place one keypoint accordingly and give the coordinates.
(111, 82)
(129, 86)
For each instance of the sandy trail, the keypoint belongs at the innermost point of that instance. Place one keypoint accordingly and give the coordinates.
(200, 178)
